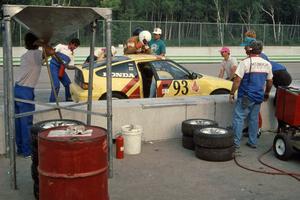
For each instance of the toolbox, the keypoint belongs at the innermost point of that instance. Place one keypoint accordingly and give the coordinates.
(288, 105)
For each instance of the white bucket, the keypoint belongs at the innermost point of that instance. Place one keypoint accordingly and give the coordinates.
(132, 138)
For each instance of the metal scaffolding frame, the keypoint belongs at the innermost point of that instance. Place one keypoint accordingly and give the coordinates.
(51, 23)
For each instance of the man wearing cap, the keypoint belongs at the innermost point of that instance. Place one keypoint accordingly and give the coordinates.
(228, 65)
(157, 45)
(250, 77)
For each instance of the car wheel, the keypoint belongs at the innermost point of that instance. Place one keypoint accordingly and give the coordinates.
(188, 142)
(213, 137)
(282, 146)
(188, 126)
(220, 91)
(114, 96)
(209, 154)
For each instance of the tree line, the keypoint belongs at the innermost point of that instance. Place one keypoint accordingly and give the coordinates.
(215, 11)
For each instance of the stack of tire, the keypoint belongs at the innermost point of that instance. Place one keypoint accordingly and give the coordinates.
(35, 130)
(189, 126)
(209, 141)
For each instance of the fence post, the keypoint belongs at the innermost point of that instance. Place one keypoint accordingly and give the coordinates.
(264, 35)
(200, 34)
(130, 28)
(103, 30)
(179, 34)
(282, 35)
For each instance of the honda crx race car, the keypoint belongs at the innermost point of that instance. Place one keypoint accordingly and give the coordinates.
(133, 75)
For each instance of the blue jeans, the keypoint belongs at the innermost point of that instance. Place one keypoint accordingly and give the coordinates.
(23, 124)
(54, 69)
(239, 115)
(153, 88)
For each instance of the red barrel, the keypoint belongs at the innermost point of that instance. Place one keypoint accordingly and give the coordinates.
(73, 168)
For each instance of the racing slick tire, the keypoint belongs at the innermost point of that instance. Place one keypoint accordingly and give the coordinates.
(213, 137)
(213, 154)
(188, 126)
(282, 147)
(188, 142)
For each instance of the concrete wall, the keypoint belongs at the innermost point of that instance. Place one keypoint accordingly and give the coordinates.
(190, 51)
(160, 118)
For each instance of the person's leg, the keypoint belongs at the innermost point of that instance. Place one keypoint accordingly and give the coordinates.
(238, 121)
(253, 123)
(153, 88)
(18, 130)
(54, 73)
(65, 80)
(24, 124)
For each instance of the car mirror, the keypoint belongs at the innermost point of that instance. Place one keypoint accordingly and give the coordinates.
(193, 75)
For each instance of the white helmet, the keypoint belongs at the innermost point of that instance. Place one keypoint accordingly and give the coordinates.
(145, 35)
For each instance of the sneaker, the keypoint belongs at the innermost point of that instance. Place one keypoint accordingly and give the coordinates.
(259, 133)
(27, 157)
(251, 145)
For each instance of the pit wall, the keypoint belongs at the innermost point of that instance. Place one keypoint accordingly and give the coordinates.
(160, 118)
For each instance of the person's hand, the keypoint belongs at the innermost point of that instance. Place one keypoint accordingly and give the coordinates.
(266, 97)
(231, 98)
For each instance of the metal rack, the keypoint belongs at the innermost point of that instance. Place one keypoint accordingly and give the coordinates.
(51, 23)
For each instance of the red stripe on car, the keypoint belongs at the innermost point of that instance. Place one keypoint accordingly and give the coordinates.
(130, 85)
(165, 84)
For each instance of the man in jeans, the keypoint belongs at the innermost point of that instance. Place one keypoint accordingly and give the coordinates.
(250, 77)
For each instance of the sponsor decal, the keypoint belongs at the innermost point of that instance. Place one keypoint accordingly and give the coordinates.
(120, 75)
(195, 87)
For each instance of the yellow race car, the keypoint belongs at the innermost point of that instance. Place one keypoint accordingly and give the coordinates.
(133, 76)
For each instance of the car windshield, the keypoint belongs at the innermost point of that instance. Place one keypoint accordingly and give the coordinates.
(103, 62)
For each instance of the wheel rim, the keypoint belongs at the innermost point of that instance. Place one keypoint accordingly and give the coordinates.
(201, 122)
(214, 131)
(57, 123)
(280, 146)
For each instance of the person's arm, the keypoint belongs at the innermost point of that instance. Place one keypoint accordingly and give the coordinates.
(235, 85)
(268, 89)
(221, 72)
(232, 69)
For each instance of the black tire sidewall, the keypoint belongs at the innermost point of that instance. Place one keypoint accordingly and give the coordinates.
(288, 147)
(218, 155)
(213, 140)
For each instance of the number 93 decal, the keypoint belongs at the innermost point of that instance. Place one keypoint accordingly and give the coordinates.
(181, 86)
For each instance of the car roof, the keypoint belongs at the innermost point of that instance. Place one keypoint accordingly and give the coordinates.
(115, 59)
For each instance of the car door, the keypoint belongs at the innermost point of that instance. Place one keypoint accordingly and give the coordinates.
(125, 79)
(173, 80)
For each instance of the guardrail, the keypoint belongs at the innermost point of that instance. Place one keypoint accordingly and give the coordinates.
(188, 59)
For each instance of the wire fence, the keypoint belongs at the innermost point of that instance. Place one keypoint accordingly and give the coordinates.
(180, 34)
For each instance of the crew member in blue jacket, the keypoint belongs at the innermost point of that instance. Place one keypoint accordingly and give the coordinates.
(64, 58)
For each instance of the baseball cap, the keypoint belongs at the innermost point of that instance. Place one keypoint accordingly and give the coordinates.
(157, 31)
(225, 49)
(247, 41)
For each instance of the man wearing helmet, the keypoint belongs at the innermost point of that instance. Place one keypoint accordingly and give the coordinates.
(157, 45)
(250, 77)
(138, 44)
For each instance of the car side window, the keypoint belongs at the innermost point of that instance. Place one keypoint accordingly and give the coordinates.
(167, 70)
(123, 70)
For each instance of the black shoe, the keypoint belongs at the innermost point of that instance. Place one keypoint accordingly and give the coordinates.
(251, 145)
